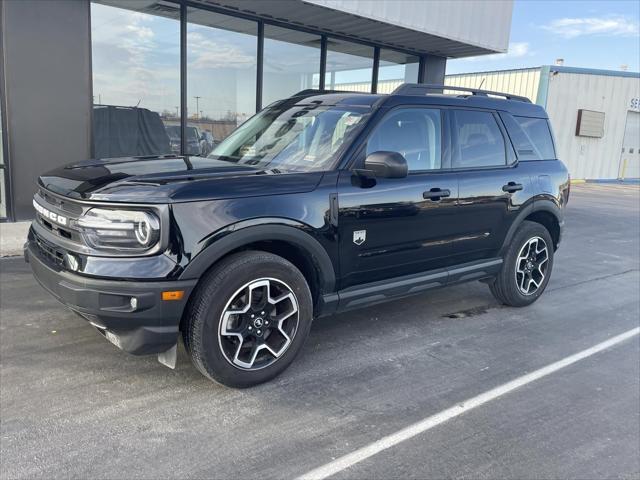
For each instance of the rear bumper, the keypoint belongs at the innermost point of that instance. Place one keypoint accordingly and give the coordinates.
(151, 327)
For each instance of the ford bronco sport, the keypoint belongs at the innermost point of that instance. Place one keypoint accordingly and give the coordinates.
(321, 203)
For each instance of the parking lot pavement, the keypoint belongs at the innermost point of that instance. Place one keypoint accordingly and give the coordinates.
(72, 405)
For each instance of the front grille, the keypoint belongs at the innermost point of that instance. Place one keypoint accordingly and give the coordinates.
(59, 206)
(49, 251)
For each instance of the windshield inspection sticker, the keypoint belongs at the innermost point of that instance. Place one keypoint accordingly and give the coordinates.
(359, 237)
(352, 120)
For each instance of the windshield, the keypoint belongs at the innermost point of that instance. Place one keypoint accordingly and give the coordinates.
(299, 138)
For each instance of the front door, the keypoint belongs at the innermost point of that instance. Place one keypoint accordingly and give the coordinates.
(394, 227)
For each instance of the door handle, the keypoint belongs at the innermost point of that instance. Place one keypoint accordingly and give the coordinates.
(512, 187)
(436, 194)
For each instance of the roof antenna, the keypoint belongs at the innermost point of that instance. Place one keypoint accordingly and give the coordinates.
(481, 83)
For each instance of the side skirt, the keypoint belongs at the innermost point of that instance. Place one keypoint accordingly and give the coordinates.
(391, 289)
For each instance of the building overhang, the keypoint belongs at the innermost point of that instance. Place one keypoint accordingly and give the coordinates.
(448, 29)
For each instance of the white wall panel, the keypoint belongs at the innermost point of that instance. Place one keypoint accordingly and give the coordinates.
(590, 158)
(517, 82)
(484, 23)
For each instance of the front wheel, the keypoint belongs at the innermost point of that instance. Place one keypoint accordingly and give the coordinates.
(527, 267)
(248, 319)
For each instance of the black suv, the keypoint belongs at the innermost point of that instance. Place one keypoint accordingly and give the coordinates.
(321, 203)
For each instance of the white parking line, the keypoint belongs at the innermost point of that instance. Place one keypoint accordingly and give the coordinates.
(428, 423)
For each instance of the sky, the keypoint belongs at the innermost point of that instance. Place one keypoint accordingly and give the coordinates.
(593, 34)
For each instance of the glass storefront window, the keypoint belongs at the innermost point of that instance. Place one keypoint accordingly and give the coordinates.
(221, 77)
(396, 68)
(3, 198)
(349, 66)
(291, 63)
(136, 77)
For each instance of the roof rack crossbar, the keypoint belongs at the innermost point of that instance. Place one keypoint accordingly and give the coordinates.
(424, 88)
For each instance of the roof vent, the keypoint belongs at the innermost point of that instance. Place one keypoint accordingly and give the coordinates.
(559, 61)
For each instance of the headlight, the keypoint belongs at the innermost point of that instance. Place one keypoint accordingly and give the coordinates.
(128, 230)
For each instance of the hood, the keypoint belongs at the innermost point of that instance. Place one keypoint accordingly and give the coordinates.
(171, 179)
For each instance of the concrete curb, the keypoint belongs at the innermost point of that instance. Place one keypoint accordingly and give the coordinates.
(12, 238)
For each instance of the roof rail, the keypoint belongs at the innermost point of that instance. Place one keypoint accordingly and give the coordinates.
(315, 91)
(424, 88)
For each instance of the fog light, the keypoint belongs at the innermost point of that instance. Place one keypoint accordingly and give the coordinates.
(134, 303)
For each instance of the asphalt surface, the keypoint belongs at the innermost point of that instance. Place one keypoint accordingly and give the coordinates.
(73, 405)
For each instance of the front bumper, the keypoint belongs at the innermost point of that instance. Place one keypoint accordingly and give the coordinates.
(151, 327)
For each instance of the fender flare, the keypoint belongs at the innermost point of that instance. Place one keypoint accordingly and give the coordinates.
(239, 236)
(538, 205)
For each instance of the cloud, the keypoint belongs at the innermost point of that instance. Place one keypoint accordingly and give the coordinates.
(205, 52)
(612, 25)
(516, 50)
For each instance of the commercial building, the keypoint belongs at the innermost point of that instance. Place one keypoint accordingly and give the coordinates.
(85, 79)
(595, 114)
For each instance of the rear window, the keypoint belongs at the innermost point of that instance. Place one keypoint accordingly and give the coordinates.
(537, 143)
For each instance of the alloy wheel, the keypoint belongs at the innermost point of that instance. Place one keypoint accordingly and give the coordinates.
(258, 323)
(531, 265)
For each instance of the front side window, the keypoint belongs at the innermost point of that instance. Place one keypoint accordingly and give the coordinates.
(477, 140)
(415, 133)
(290, 137)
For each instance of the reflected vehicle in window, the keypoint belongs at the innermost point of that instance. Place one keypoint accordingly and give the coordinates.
(320, 203)
(197, 143)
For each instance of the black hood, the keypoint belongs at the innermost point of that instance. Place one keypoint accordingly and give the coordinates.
(171, 179)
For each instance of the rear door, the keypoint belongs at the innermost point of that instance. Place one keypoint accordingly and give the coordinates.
(492, 186)
(394, 227)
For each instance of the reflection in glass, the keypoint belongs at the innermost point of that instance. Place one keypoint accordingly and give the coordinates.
(396, 68)
(349, 66)
(136, 77)
(289, 137)
(291, 63)
(221, 77)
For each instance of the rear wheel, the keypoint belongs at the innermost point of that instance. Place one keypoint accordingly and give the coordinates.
(527, 267)
(248, 319)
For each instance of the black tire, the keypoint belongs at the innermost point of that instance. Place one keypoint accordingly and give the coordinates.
(505, 288)
(217, 289)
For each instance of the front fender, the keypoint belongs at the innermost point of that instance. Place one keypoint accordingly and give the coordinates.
(265, 229)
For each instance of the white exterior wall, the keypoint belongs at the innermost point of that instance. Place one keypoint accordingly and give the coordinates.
(517, 82)
(590, 158)
(484, 23)
(567, 92)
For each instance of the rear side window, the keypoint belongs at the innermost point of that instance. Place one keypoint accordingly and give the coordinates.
(538, 135)
(477, 139)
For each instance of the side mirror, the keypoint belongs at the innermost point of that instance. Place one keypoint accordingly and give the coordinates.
(386, 164)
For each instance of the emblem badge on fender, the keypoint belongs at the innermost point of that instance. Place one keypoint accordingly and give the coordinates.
(359, 237)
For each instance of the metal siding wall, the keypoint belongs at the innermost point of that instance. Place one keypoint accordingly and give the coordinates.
(485, 23)
(590, 158)
(518, 82)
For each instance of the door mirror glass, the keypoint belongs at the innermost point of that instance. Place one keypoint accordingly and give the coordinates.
(386, 164)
